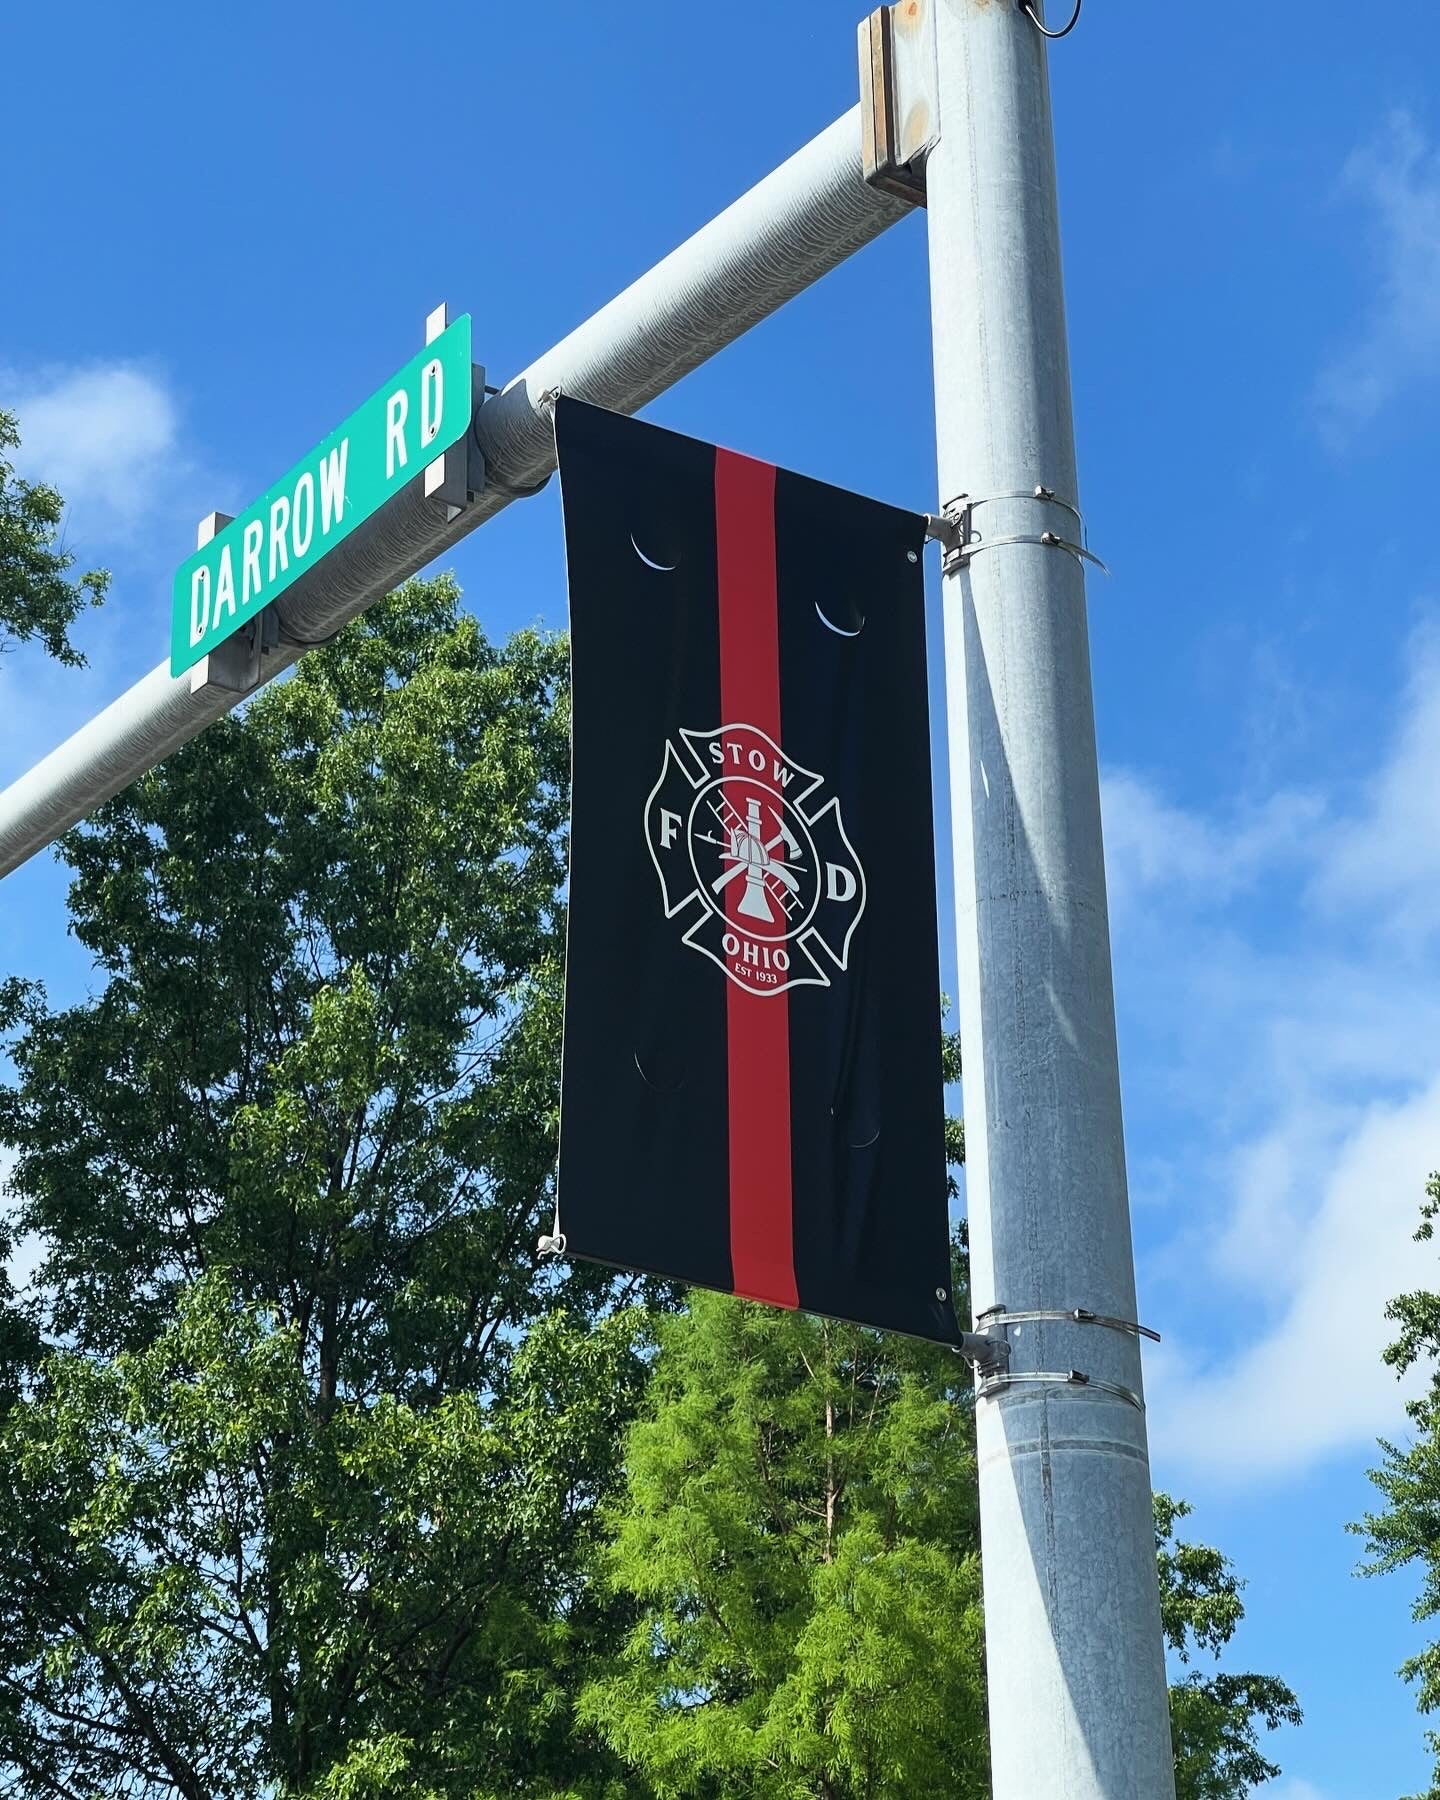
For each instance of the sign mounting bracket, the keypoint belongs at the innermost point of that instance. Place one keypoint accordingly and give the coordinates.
(899, 110)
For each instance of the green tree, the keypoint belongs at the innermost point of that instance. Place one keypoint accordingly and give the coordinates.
(799, 1531)
(37, 598)
(299, 1446)
(1406, 1531)
(1214, 1717)
(301, 1454)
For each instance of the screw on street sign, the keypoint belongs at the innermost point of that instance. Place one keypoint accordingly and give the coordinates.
(418, 414)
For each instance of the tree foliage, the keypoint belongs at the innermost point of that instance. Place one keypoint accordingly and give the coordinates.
(1405, 1532)
(37, 597)
(312, 1482)
(1213, 1717)
(799, 1529)
(297, 1475)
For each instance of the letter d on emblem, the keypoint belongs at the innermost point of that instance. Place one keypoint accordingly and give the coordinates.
(839, 882)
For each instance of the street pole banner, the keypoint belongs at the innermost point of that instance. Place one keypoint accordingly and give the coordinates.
(751, 1090)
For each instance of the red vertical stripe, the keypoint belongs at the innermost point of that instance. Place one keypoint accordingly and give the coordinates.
(762, 1245)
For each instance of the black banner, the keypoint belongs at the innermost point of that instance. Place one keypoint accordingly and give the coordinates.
(751, 1096)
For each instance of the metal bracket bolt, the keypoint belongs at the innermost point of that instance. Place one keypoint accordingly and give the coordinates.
(987, 1352)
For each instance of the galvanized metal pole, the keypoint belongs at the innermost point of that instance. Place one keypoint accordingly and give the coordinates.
(1078, 1705)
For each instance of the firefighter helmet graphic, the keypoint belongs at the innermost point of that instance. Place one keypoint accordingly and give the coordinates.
(750, 850)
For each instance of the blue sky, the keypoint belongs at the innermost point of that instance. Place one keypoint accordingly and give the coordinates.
(222, 230)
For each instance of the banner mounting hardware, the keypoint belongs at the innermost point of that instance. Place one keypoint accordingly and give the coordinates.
(989, 1350)
(953, 528)
(553, 1242)
(993, 1384)
(1076, 1315)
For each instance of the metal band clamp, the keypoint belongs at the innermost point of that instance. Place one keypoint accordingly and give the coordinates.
(1076, 1315)
(954, 529)
(989, 1350)
(993, 1384)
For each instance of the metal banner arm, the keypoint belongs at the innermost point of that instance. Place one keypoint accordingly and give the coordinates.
(802, 220)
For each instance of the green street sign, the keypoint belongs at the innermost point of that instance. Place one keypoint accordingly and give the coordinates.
(418, 414)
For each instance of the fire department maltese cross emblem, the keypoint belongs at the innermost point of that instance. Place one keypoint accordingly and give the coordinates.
(744, 840)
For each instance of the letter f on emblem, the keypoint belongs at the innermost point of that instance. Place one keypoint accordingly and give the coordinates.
(669, 825)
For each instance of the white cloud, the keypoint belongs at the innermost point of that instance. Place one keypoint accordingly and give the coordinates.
(1388, 859)
(110, 436)
(106, 435)
(1278, 973)
(1152, 844)
(1396, 179)
(1290, 1788)
(1312, 1381)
